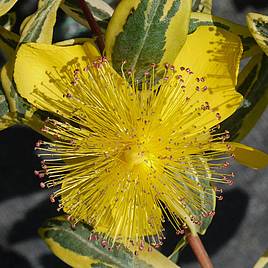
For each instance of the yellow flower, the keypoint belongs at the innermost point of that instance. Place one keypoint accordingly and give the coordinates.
(130, 153)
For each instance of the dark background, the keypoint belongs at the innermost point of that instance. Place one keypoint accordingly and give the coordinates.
(236, 238)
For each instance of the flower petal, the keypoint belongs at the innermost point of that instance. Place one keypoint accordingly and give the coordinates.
(44, 72)
(249, 156)
(213, 54)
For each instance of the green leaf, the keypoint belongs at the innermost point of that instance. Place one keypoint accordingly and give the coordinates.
(101, 11)
(253, 85)
(74, 247)
(263, 261)
(4, 109)
(39, 26)
(8, 43)
(179, 247)
(250, 47)
(6, 5)
(204, 6)
(142, 32)
(16, 103)
(258, 26)
(8, 20)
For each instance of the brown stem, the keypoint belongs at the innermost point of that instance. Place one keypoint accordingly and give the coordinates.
(199, 250)
(93, 25)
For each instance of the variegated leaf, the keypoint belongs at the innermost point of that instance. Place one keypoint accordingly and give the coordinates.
(4, 109)
(8, 20)
(263, 261)
(39, 26)
(179, 247)
(250, 47)
(101, 11)
(204, 6)
(6, 5)
(74, 247)
(253, 85)
(142, 32)
(258, 26)
(8, 42)
(16, 103)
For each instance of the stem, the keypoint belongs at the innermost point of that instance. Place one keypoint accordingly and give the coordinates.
(93, 25)
(199, 250)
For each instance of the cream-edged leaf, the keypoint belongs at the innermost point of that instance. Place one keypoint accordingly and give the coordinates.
(253, 85)
(258, 26)
(80, 247)
(142, 32)
(39, 26)
(204, 6)
(6, 5)
(101, 11)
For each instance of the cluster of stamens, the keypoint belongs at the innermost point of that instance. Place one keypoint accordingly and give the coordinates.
(130, 154)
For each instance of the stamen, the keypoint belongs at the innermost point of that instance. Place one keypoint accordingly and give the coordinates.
(130, 153)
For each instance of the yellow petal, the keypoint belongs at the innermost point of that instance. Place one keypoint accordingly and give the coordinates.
(214, 54)
(44, 72)
(249, 156)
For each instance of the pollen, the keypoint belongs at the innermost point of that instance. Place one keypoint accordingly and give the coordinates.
(129, 155)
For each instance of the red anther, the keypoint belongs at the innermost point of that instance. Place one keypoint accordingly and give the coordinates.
(69, 95)
(166, 78)
(69, 218)
(104, 243)
(76, 71)
(179, 232)
(172, 67)
(146, 73)
(197, 88)
(220, 198)
(153, 65)
(182, 68)
(41, 175)
(202, 79)
(52, 199)
(212, 213)
(86, 69)
(150, 249)
(157, 245)
(218, 116)
(197, 79)
(42, 185)
(74, 83)
(166, 65)
(230, 182)
(36, 173)
(38, 143)
(104, 59)
(94, 237)
(226, 164)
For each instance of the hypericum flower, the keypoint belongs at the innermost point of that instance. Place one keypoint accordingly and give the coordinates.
(128, 153)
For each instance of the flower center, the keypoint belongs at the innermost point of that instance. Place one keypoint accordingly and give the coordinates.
(135, 156)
